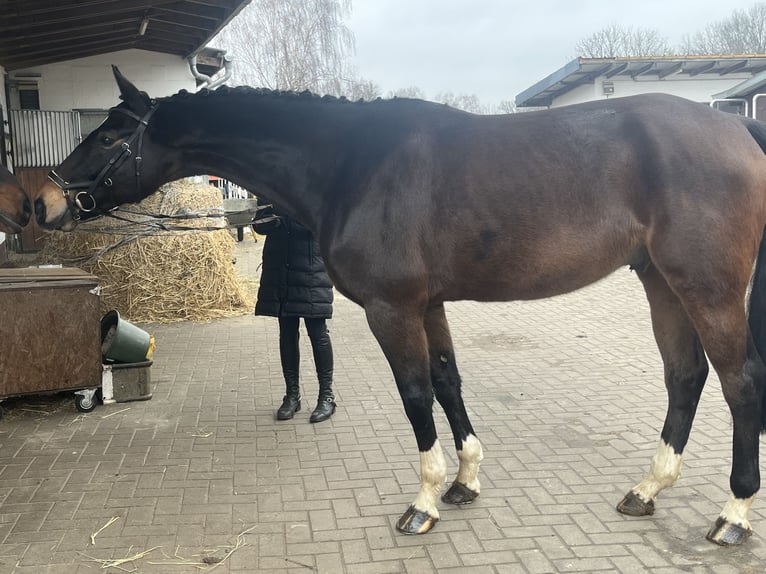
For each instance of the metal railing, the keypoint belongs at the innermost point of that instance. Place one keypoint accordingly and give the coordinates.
(229, 190)
(43, 138)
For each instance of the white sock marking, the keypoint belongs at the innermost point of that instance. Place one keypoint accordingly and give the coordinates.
(663, 472)
(470, 458)
(433, 471)
(736, 510)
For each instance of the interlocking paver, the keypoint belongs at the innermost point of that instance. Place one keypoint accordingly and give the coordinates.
(565, 394)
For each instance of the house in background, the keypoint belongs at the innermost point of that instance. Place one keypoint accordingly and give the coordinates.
(56, 82)
(717, 80)
(748, 97)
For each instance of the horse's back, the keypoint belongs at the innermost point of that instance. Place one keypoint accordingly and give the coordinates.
(536, 204)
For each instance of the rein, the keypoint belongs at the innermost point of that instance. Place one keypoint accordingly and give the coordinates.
(84, 200)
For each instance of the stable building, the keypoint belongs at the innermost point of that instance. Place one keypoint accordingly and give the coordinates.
(56, 81)
(728, 82)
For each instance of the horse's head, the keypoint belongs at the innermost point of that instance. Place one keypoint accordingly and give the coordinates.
(106, 169)
(14, 204)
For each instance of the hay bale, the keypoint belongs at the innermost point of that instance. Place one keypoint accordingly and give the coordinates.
(148, 274)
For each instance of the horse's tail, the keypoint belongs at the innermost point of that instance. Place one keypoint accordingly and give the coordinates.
(756, 315)
(757, 309)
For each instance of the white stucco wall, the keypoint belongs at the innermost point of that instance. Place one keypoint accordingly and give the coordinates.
(88, 83)
(698, 88)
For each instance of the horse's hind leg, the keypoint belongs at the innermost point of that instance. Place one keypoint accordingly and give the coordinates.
(713, 292)
(446, 383)
(401, 334)
(686, 370)
(725, 335)
(742, 376)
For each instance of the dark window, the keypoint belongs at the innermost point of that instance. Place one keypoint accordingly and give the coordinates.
(29, 99)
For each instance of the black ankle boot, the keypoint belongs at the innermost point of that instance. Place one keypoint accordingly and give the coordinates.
(324, 410)
(291, 404)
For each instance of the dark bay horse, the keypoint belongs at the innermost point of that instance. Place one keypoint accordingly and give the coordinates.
(415, 204)
(15, 208)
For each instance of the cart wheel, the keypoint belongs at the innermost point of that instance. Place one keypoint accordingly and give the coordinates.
(240, 233)
(85, 402)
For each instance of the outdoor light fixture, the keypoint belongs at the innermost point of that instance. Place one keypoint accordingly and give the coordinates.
(143, 25)
(608, 88)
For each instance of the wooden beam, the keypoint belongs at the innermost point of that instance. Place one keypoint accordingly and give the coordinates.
(642, 70)
(617, 70)
(671, 70)
(702, 69)
(734, 68)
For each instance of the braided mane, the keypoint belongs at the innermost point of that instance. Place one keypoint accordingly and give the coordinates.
(226, 91)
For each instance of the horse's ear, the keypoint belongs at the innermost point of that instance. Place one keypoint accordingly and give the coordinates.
(137, 101)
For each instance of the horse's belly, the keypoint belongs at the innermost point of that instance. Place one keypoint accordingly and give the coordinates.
(541, 273)
(514, 287)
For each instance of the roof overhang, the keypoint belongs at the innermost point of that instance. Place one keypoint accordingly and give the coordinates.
(37, 32)
(745, 89)
(585, 70)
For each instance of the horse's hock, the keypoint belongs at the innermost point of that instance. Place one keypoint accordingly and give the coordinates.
(148, 274)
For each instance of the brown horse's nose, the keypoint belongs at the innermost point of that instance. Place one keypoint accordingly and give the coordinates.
(26, 211)
(40, 211)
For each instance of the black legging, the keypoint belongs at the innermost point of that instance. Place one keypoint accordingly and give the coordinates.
(289, 350)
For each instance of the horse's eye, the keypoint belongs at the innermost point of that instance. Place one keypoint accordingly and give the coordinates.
(106, 140)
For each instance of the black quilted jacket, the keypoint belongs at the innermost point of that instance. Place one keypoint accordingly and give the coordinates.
(294, 282)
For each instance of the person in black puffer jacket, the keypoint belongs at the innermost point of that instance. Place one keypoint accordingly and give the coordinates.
(295, 284)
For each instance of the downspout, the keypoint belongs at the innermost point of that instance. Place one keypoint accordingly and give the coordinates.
(207, 81)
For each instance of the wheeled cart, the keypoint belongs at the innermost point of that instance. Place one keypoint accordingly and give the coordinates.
(50, 333)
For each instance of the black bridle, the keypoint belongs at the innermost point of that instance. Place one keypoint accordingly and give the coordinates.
(84, 200)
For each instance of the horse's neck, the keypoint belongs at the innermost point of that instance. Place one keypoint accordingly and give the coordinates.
(283, 155)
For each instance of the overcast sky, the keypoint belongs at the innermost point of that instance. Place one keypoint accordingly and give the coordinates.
(498, 48)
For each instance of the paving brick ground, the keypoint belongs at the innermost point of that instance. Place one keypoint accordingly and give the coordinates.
(565, 394)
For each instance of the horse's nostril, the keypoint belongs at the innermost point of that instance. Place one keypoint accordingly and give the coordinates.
(40, 211)
(26, 211)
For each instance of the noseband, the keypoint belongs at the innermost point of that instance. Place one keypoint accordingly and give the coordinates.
(79, 194)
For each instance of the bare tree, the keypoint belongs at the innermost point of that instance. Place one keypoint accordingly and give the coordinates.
(506, 107)
(466, 102)
(742, 33)
(294, 45)
(359, 89)
(615, 41)
(411, 92)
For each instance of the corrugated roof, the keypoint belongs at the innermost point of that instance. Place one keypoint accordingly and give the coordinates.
(36, 32)
(585, 70)
(744, 89)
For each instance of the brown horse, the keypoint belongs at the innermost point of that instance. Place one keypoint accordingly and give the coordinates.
(415, 204)
(14, 205)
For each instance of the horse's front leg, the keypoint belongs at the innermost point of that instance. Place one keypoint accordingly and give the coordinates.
(446, 383)
(402, 337)
(686, 371)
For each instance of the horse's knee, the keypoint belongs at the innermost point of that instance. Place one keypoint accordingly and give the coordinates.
(443, 370)
(418, 406)
(416, 398)
(445, 379)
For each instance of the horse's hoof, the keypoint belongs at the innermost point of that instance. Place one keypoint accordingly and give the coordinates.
(632, 505)
(724, 533)
(459, 494)
(416, 521)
